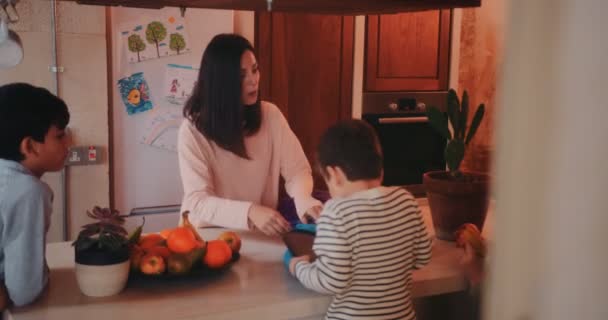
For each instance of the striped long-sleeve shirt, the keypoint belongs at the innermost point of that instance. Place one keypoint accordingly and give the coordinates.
(367, 246)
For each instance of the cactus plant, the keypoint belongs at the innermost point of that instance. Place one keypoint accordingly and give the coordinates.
(459, 138)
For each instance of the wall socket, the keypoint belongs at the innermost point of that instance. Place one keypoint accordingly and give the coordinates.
(83, 155)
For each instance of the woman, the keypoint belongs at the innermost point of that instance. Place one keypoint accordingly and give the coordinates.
(233, 147)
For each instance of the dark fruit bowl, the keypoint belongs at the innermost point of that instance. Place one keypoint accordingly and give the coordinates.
(198, 270)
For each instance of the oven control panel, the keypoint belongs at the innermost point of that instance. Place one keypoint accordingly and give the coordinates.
(407, 105)
(403, 103)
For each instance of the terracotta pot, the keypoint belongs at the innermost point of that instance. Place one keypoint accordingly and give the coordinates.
(101, 274)
(455, 202)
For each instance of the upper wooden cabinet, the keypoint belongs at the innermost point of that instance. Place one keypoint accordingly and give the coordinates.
(408, 51)
(306, 66)
(348, 7)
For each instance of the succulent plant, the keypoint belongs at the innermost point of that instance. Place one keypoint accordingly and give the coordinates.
(107, 233)
(459, 138)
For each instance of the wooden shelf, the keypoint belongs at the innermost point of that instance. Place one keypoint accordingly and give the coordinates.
(346, 7)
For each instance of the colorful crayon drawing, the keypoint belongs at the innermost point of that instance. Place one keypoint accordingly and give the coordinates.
(161, 130)
(161, 37)
(135, 93)
(179, 83)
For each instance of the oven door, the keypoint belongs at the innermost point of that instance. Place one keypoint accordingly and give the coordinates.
(410, 145)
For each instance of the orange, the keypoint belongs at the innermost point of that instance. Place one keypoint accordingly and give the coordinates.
(232, 239)
(159, 250)
(218, 254)
(182, 240)
(150, 240)
(165, 233)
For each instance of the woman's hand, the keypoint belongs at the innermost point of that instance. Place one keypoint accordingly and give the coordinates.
(268, 220)
(312, 214)
(294, 260)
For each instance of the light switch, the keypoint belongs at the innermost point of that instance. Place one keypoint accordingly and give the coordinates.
(83, 155)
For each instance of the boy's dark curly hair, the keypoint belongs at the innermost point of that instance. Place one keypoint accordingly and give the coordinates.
(27, 111)
(353, 146)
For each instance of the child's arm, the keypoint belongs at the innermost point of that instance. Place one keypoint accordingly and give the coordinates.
(331, 272)
(25, 273)
(422, 244)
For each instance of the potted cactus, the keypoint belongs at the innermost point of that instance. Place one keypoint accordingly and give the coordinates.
(456, 197)
(102, 254)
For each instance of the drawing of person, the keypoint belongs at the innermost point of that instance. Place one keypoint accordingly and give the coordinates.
(174, 86)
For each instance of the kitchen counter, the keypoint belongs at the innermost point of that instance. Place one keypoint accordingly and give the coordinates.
(256, 287)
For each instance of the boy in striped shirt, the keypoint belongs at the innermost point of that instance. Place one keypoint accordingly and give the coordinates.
(369, 238)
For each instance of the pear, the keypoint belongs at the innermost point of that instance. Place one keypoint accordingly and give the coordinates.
(178, 264)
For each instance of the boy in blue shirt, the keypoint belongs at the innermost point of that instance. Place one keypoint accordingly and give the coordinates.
(33, 140)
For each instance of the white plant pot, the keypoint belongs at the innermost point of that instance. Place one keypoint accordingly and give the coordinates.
(102, 281)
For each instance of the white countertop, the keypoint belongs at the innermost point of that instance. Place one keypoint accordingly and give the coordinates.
(256, 287)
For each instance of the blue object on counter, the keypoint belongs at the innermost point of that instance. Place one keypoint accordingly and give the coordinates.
(287, 256)
(287, 207)
(310, 228)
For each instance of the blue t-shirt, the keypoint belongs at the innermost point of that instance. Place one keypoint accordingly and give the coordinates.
(25, 209)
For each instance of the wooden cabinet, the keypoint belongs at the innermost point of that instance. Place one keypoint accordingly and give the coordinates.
(349, 7)
(408, 51)
(306, 64)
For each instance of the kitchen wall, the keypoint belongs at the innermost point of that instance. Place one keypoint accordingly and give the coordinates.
(83, 84)
(81, 47)
(480, 59)
(81, 50)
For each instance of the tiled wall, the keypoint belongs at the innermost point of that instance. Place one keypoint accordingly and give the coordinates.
(81, 44)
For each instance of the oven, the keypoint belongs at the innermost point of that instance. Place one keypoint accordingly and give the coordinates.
(410, 145)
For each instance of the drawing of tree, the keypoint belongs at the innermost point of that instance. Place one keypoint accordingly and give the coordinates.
(136, 44)
(155, 33)
(177, 42)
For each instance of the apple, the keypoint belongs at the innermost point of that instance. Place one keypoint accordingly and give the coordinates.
(232, 239)
(136, 253)
(152, 264)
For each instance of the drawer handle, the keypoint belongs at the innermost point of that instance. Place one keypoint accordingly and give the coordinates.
(403, 120)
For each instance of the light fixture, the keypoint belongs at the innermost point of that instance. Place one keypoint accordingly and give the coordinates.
(11, 50)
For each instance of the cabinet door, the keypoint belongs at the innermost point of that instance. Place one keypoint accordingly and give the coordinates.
(306, 64)
(408, 51)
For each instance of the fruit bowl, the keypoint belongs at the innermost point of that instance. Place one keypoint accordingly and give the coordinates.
(181, 252)
(198, 270)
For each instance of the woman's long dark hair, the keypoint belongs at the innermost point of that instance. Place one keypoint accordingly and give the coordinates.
(215, 107)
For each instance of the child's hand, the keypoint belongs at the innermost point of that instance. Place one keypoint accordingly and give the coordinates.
(295, 260)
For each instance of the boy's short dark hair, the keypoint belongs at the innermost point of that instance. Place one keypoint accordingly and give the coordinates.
(27, 111)
(353, 146)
